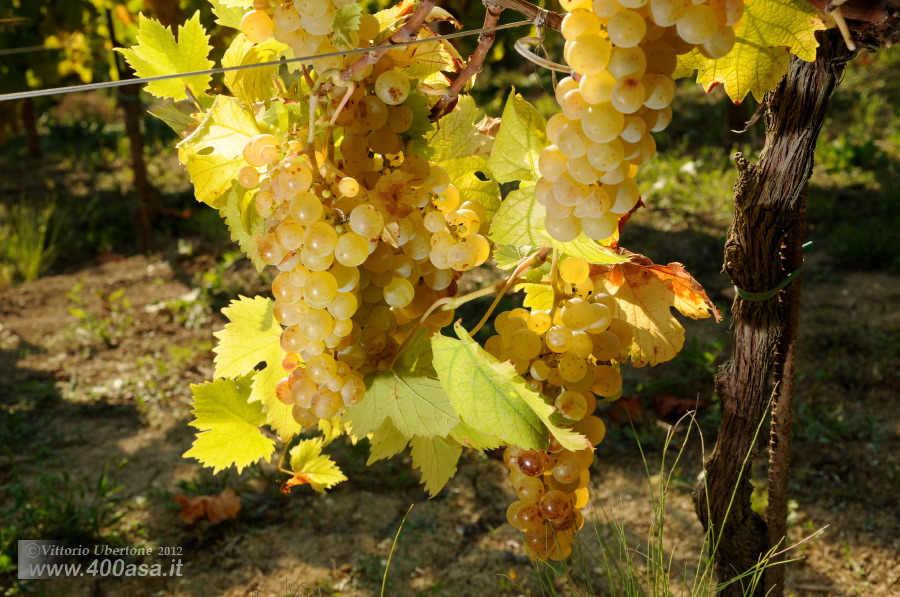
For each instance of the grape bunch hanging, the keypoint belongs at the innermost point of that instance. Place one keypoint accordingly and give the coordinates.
(368, 236)
(623, 55)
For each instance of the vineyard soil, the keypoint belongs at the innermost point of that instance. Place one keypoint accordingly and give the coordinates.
(111, 384)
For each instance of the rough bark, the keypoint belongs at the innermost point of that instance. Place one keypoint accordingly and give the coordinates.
(782, 405)
(769, 202)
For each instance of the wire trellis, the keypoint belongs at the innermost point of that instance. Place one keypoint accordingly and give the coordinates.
(227, 69)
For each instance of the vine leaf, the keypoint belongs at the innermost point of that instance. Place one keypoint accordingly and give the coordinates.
(493, 399)
(158, 53)
(211, 509)
(538, 297)
(508, 257)
(253, 84)
(311, 466)
(520, 222)
(251, 337)
(244, 222)
(645, 294)
(472, 438)
(770, 31)
(346, 21)
(519, 142)
(461, 147)
(214, 152)
(229, 13)
(410, 395)
(436, 458)
(229, 425)
(385, 443)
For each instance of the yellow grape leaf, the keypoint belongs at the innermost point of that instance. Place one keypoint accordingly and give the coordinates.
(519, 142)
(420, 60)
(214, 152)
(251, 337)
(538, 297)
(770, 31)
(229, 425)
(436, 458)
(230, 13)
(253, 84)
(158, 53)
(470, 437)
(645, 294)
(311, 466)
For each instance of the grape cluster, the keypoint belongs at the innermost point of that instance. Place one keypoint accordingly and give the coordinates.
(304, 25)
(623, 54)
(567, 354)
(366, 237)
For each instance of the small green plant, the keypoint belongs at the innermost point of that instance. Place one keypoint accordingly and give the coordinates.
(32, 236)
(108, 324)
(55, 506)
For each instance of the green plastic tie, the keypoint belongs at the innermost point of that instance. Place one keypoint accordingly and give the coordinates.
(764, 296)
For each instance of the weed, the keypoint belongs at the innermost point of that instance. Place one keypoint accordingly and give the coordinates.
(32, 239)
(58, 507)
(108, 324)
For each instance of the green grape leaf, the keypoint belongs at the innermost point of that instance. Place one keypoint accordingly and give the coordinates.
(169, 113)
(770, 31)
(487, 394)
(229, 425)
(519, 142)
(436, 458)
(472, 438)
(251, 337)
(230, 13)
(458, 135)
(520, 222)
(537, 296)
(244, 223)
(507, 257)
(460, 146)
(310, 465)
(253, 84)
(462, 173)
(496, 401)
(385, 443)
(157, 53)
(346, 21)
(409, 394)
(421, 125)
(214, 152)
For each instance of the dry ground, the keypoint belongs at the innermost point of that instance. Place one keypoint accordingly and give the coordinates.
(79, 394)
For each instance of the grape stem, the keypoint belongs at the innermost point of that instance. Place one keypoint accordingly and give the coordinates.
(554, 282)
(448, 303)
(539, 16)
(473, 65)
(524, 265)
(408, 32)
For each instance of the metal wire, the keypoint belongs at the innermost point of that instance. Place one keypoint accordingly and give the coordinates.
(227, 69)
(25, 50)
